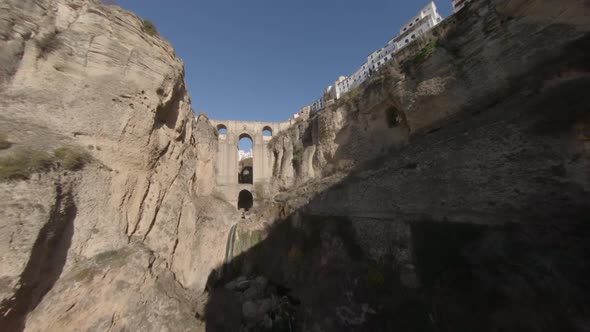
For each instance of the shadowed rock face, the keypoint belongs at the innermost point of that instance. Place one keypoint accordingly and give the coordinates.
(469, 213)
(449, 193)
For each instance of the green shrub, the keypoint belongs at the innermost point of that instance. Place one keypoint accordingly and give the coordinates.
(350, 98)
(425, 52)
(4, 143)
(392, 117)
(48, 43)
(297, 155)
(71, 159)
(149, 27)
(23, 162)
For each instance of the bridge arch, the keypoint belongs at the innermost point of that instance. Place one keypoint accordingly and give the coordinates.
(245, 200)
(228, 167)
(246, 175)
(245, 163)
(245, 135)
(221, 129)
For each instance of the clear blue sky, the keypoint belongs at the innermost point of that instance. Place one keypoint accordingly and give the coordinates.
(265, 59)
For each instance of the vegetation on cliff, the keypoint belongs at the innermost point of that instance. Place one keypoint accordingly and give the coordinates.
(48, 43)
(149, 27)
(425, 52)
(71, 158)
(21, 163)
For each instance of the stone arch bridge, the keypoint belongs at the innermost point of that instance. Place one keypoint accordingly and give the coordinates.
(227, 168)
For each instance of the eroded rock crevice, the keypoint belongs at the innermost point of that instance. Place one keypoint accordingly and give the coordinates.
(47, 260)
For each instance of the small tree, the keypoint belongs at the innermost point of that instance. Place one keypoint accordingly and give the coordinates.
(392, 117)
(48, 43)
(149, 27)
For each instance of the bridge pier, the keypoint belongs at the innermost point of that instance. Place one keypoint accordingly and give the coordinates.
(227, 167)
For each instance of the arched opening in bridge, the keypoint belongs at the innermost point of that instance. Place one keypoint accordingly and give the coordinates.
(246, 175)
(267, 131)
(245, 200)
(245, 160)
(221, 129)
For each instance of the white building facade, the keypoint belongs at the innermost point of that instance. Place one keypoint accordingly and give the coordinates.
(318, 105)
(425, 20)
(244, 154)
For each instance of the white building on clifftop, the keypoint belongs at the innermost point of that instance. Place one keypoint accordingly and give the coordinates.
(419, 24)
(425, 20)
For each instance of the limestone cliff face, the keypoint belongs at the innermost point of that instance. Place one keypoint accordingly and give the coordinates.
(483, 120)
(469, 62)
(82, 249)
(364, 124)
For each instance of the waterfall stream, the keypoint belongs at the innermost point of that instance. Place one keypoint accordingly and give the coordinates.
(229, 247)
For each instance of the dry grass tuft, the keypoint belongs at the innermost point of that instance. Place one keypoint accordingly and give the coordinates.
(71, 158)
(23, 162)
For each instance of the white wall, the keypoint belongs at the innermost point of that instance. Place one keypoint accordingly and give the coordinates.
(342, 86)
(318, 105)
(360, 75)
(425, 20)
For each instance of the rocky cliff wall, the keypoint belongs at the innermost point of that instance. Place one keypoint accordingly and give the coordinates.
(486, 59)
(101, 247)
(469, 212)
(469, 62)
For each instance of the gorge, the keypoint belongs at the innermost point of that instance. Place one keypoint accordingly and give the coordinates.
(448, 192)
